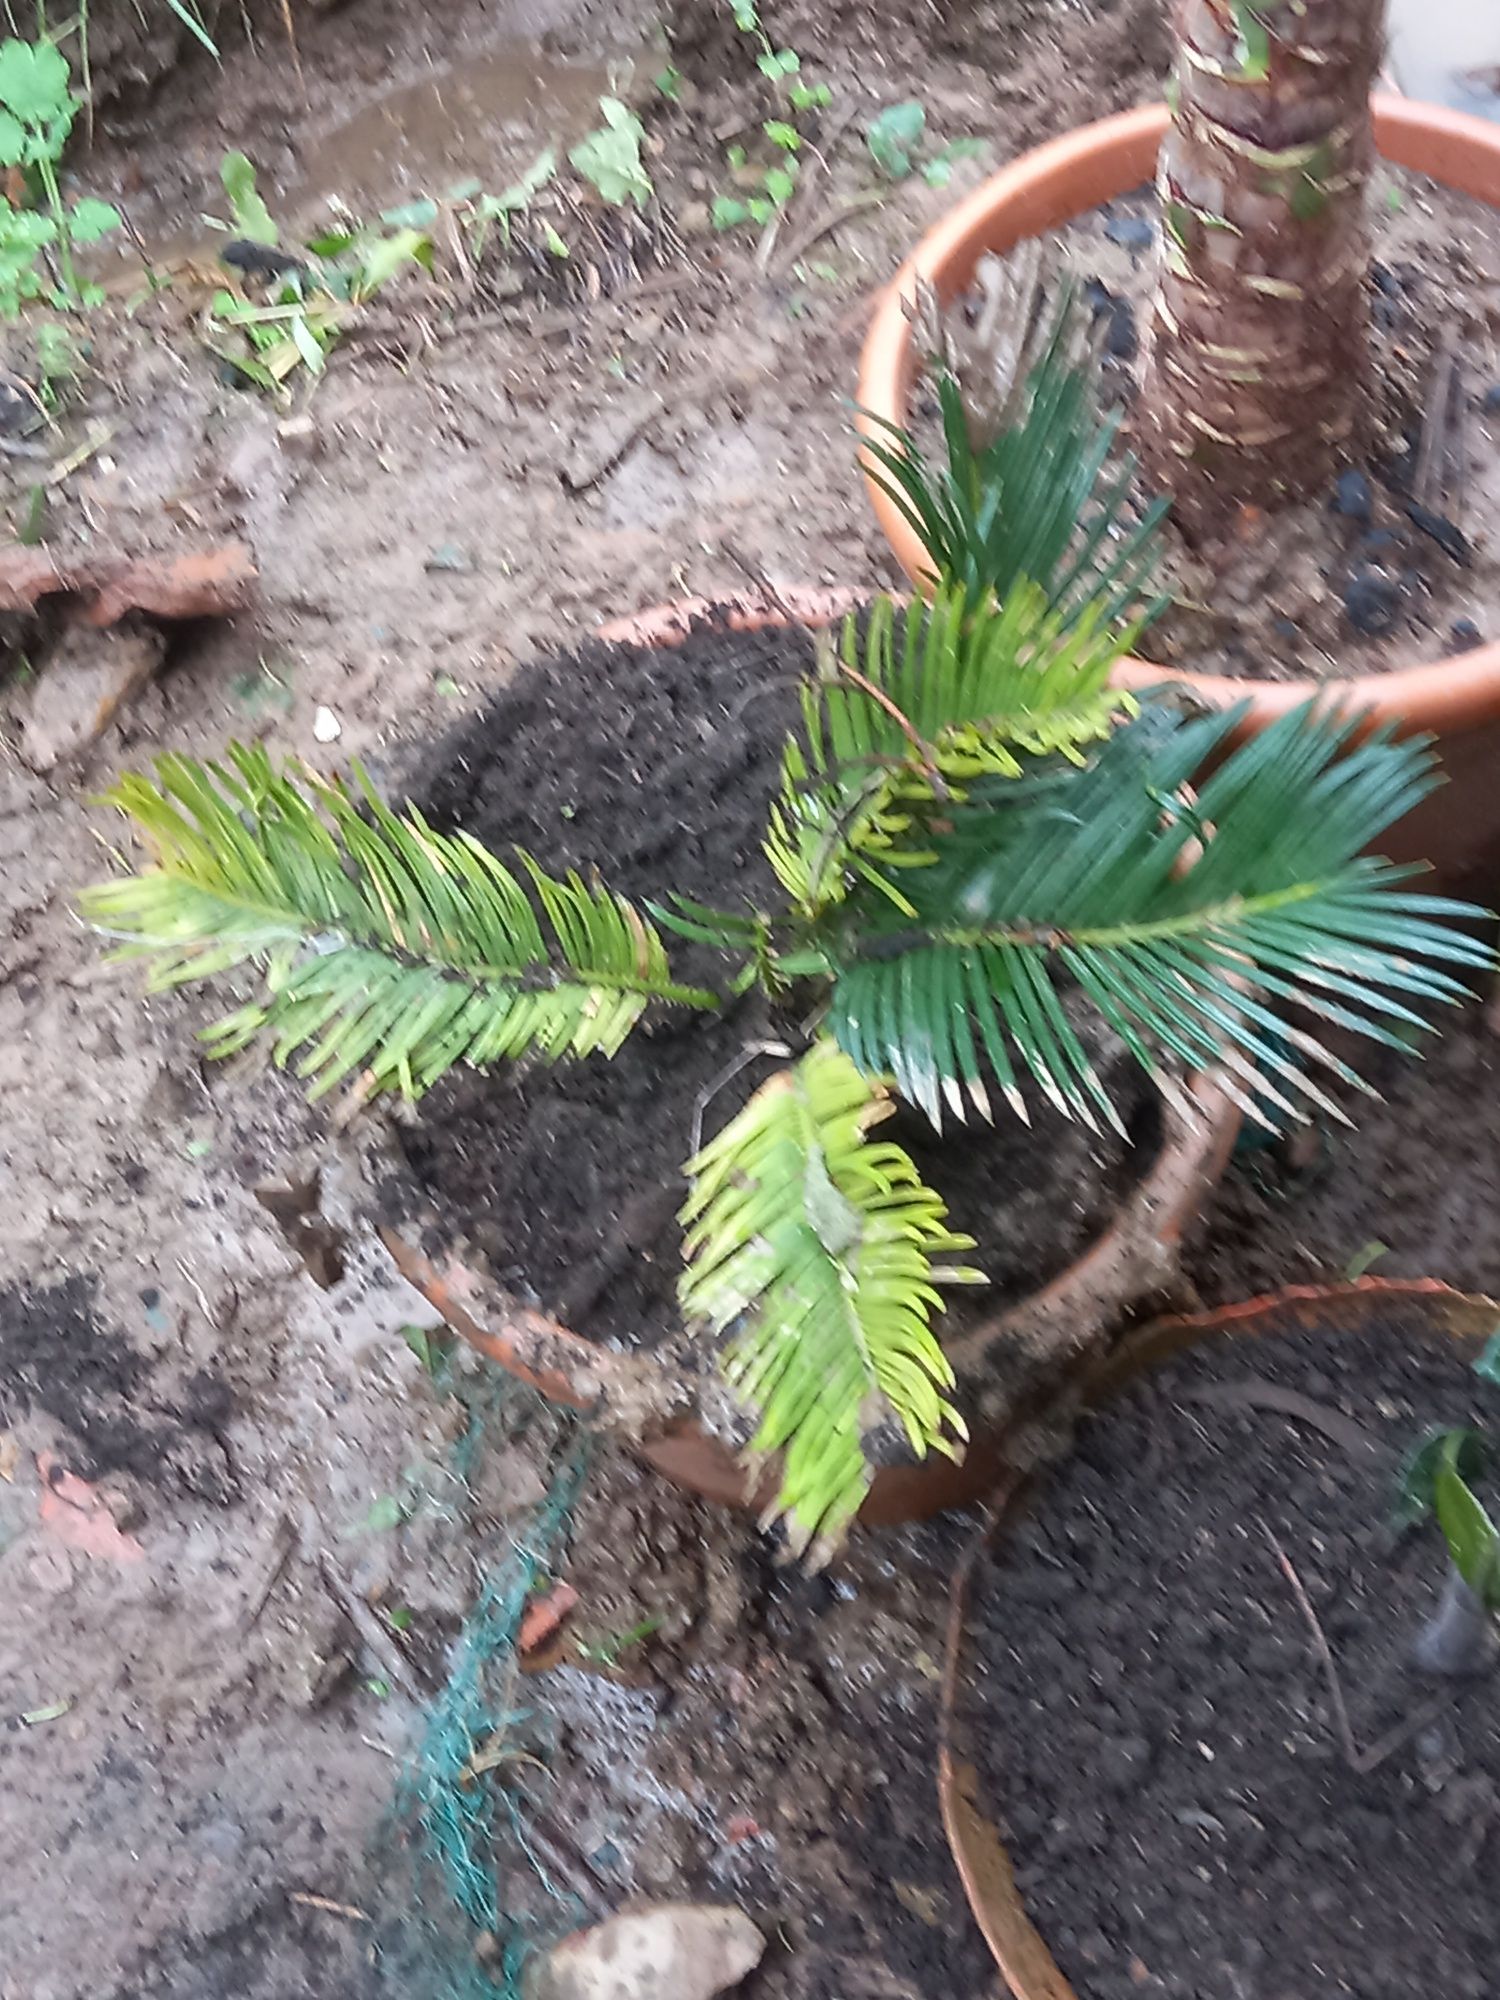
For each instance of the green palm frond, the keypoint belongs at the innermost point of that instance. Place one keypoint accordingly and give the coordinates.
(909, 710)
(388, 951)
(1037, 502)
(811, 1247)
(1087, 881)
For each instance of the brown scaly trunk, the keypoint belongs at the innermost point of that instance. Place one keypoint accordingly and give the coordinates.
(1256, 346)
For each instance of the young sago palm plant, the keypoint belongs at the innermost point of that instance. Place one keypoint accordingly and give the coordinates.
(972, 832)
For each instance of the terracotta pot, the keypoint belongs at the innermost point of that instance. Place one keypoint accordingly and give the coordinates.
(1456, 699)
(1135, 1261)
(1028, 1968)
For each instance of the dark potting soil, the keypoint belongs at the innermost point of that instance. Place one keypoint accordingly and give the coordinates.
(657, 766)
(1153, 1720)
(1400, 560)
(56, 1356)
(1410, 1189)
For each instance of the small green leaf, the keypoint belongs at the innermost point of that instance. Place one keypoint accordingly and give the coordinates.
(787, 137)
(555, 244)
(728, 212)
(399, 1618)
(1472, 1537)
(36, 88)
(379, 1688)
(669, 83)
(420, 214)
(535, 178)
(610, 159)
(1415, 1496)
(252, 217)
(1367, 1254)
(1487, 1367)
(893, 135)
(777, 63)
(53, 1712)
(307, 344)
(388, 1512)
(809, 96)
(33, 523)
(1253, 44)
(1395, 200)
(779, 183)
(90, 221)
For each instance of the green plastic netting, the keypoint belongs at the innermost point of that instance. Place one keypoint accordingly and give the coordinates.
(456, 1922)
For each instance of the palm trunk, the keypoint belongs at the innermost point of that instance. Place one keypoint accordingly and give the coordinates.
(1256, 348)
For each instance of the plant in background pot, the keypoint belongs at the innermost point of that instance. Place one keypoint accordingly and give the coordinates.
(988, 858)
(1253, 384)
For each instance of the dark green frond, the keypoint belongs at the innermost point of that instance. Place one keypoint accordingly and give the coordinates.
(1037, 502)
(811, 1247)
(1093, 885)
(388, 951)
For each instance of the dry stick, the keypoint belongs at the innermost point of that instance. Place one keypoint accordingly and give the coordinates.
(291, 42)
(311, 1902)
(1325, 1653)
(923, 749)
(855, 204)
(373, 1635)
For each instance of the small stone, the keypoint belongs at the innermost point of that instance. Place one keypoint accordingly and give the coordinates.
(1120, 338)
(673, 1951)
(1465, 635)
(1131, 232)
(84, 684)
(326, 726)
(449, 557)
(1352, 496)
(1491, 403)
(1372, 602)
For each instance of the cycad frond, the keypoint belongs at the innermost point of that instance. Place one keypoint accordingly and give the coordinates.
(1035, 502)
(1089, 882)
(812, 1247)
(911, 709)
(389, 951)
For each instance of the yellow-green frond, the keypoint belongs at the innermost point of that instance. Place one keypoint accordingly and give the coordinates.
(388, 951)
(811, 1247)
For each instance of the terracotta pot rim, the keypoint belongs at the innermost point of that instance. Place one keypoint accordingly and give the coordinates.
(1074, 173)
(1026, 1966)
(637, 1394)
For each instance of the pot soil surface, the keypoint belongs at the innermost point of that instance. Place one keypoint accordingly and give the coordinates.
(658, 765)
(1397, 562)
(1152, 1718)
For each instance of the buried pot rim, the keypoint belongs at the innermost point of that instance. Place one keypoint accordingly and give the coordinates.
(640, 1397)
(1052, 183)
(984, 1864)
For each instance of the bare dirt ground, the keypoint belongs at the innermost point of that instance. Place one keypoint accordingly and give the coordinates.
(195, 1739)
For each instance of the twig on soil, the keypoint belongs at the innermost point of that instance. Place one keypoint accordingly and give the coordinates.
(1324, 1651)
(291, 42)
(374, 1636)
(730, 1071)
(286, 1541)
(309, 1901)
(821, 156)
(845, 211)
(1259, 1395)
(758, 576)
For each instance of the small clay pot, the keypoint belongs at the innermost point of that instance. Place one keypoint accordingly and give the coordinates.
(1026, 1965)
(1135, 1261)
(1455, 699)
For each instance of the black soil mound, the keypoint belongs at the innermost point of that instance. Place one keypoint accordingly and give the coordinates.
(1152, 1716)
(57, 1357)
(656, 767)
